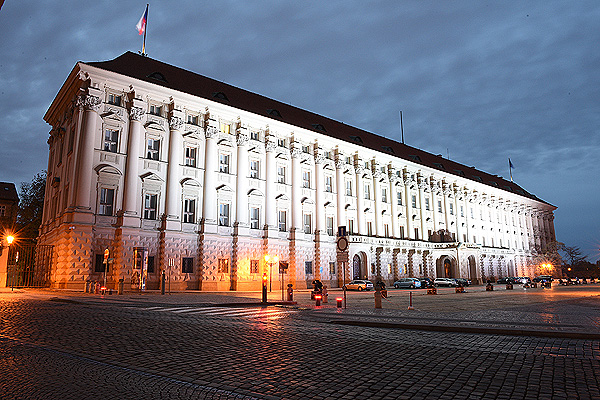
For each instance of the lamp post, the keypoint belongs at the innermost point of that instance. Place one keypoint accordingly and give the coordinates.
(271, 260)
(9, 240)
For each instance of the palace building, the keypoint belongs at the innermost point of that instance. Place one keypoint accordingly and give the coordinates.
(178, 173)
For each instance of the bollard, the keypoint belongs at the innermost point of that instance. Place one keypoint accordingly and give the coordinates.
(120, 290)
(290, 292)
(324, 293)
(410, 306)
(489, 287)
(318, 300)
(509, 286)
(378, 299)
(97, 288)
(460, 289)
(339, 301)
(162, 283)
(110, 292)
(432, 290)
(86, 288)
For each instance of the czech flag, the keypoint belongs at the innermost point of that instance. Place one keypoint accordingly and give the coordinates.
(141, 25)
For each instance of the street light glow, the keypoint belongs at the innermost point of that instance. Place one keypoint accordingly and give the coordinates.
(10, 239)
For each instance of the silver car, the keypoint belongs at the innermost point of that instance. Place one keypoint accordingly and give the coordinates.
(359, 284)
(445, 282)
(410, 283)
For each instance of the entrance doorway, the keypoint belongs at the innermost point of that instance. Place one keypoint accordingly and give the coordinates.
(359, 263)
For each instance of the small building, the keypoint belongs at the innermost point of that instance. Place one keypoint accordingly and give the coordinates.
(177, 173)
(9, 207)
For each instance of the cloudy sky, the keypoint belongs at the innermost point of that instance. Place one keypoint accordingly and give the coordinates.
(477, 81)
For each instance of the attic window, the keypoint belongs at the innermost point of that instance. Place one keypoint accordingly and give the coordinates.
(319, 127)
(356, 139)
(520, 191)
(494, 183)
(158, 76)
(477, 178)
(508, 188)
(415, 158)
(388, 149)
(438, 165)
(459, 172)
(220, 96)
(274, 113)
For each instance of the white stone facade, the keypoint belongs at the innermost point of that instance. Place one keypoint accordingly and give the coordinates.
(202, 189)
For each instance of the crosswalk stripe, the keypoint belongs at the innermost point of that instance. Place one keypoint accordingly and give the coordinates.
(225, 311)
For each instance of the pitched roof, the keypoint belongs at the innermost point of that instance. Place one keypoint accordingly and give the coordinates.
(159, 73)
(8, 191)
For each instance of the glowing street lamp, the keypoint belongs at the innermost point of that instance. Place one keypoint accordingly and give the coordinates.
(271, 260)
(10, 239)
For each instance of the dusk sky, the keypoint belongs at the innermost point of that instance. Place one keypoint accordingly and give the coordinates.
(477, 81)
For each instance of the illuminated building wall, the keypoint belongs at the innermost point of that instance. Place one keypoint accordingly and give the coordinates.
(179, 173)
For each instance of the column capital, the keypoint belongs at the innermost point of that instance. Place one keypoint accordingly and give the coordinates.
(175, 123)
(136, 113)
(211, 132)
(270, 143)
(88, 102)
(242, 139)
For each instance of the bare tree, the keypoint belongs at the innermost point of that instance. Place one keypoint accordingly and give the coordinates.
(573, 254)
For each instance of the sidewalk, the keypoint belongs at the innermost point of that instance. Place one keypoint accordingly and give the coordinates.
(569, 312)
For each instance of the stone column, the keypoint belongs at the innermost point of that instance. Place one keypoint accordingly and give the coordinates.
(320, 192)
(377, 199)
(242, 180)
(209, 199)
(341, 188)
(89, 105)
(422, 182)
(134, 147)
(295, 152)
(173, 198)
(360, 196)
(408, 202)
(270, 177)
(394, 200)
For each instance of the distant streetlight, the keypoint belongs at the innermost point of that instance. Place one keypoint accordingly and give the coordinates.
(271, 260)
(10, 239)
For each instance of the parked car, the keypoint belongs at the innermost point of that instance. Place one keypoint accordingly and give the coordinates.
(543, 278)
(410, 283)
(449, 282)
(523, 280)
(463, 281)
(508, 279)
(359, 284)
(426, 282)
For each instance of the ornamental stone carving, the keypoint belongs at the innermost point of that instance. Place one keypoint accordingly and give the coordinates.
(88, 102)
(211, 132)
(136, 113)
(176, 123)
(295, 151)
(242, 139)
(270, 144)
(319, 157)
(339, 163)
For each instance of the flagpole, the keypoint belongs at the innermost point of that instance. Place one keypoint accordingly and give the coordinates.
(510, 169)
(145, 30)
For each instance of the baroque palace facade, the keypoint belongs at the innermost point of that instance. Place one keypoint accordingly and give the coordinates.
(175, 172)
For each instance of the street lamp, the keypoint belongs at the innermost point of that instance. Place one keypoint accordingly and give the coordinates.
(271, 260)
(9, 240)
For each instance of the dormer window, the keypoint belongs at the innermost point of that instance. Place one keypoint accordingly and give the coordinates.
(319, 127)
(438, 165)
(192, 119)
(220, 96)
(415, 158)
(273, 113)
(388, 149)
(356, 139)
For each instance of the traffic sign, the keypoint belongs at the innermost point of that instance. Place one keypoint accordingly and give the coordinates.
(342, 243)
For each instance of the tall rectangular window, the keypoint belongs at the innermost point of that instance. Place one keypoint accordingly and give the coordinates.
(330, 226)
(2, 210)
(305, 179)
(348, 188)
(351, 226)
(427, 203)
(328, 184)
(401, 232)
(150, 206)
(399, 197)
(386, 230)
(189, 211)
(156, 110)
(413, 199)
(223, 265)
(254, 168)
(107, 198)
(225, 128)
(111, 140)
(439, 206)
(417, 233)
(462, 211)
(254, 266)
(331, 268)
(282, 221)
(152, 152)
(254, 217)
(369, 228)
(192, 119)
(308, 267)
(280, 174)
(190, 156)
(451, 208)
(383, 195)
(307, 223)
(224, 163)
(254, 135)
(187, 265)
(224, 214)
(368, 192)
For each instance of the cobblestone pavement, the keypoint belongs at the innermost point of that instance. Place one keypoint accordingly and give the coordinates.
(63, 345)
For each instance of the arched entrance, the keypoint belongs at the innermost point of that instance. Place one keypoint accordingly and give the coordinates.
(359, 266)
(446, 267)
